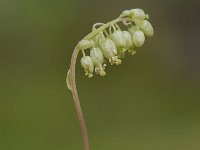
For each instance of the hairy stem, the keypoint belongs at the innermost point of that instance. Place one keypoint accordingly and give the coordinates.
(73, 81)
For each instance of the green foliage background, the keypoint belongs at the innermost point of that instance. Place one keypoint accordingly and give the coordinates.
(150, 102)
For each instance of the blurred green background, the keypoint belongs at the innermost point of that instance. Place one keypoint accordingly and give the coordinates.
(150, 102)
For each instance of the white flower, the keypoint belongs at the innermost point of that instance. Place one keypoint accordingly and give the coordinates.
(146, 27)
(138, 36)
(118, 38)
(85, 44)
(110, 51)
(128, 39)
(88, 65)
(98, 59)
(129, 42)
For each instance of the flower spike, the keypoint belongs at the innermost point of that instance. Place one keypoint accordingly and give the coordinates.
(109, 41)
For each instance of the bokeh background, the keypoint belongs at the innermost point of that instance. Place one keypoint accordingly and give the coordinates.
(151, 101)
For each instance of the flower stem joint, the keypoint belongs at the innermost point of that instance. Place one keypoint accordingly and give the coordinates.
(109, 42)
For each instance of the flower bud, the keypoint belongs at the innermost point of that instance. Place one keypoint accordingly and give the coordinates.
(138, 36)
(110, 51)
(118, 39)
(88, 65)
(129, 42)
(85, 44)
(138, 14)
(128, 39)
(97, 57)
(146, 27)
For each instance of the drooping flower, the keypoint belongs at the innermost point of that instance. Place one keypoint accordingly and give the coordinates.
(119, 40)
(88, 65)
(128, 39)
(129, 42)
(138, 36)
(109, 50)
(98, 59)
(145, 26)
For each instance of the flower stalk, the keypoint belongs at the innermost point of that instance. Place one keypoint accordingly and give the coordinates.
(108, 50)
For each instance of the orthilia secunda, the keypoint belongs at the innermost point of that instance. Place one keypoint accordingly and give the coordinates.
(109, 42)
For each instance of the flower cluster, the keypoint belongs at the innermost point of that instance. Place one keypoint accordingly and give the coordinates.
(111, 43)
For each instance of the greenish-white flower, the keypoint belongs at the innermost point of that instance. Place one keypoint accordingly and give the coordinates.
(98, 59)
(85, 44)
(119, 40)
(129, 42)
(88, 65)
(146, 27)
(137, 35)
(128, 39)
(138, 38)
(110, 51)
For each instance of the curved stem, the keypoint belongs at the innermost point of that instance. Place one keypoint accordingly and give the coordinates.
(76, 100)
(73, 82)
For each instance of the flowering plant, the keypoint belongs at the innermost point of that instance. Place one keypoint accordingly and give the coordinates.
(108, 42)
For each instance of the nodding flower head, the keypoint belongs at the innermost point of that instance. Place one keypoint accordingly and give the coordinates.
(88, 65)
(110, 51)
(111, 42)
(98, 59)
